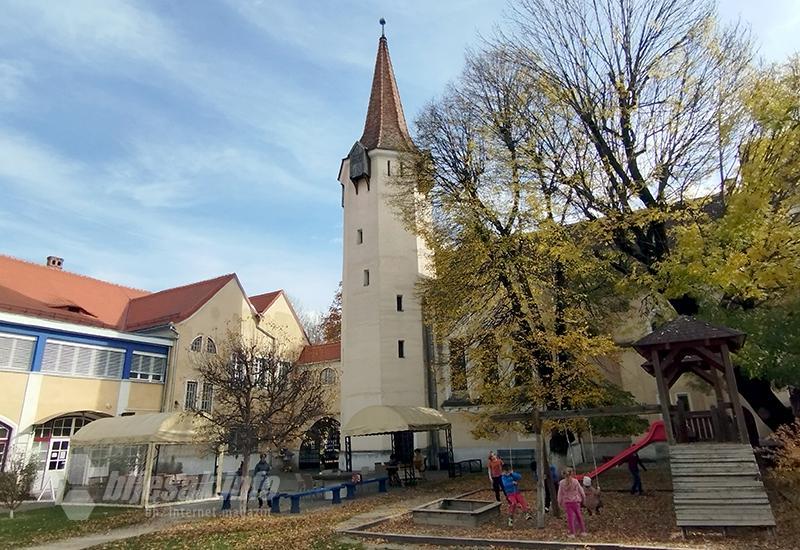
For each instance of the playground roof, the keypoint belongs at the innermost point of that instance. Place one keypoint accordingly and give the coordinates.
(385, 419)
(141, 429)
(685, 329)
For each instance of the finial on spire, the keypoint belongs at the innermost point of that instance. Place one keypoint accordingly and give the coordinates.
(383, 27)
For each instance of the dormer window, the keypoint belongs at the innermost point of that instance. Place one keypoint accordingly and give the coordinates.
(359, 164)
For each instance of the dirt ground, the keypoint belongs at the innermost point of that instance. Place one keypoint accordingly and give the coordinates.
(625, 518)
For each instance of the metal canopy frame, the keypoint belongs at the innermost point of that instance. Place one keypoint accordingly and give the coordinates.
(448, 434)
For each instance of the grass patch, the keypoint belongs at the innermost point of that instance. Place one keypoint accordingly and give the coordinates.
(42, 525)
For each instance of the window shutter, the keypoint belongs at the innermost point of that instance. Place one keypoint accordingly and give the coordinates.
(82, 360)
(16, 352)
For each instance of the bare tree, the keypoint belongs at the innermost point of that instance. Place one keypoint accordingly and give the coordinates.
(310, 320)
(652, 86)
(259, 398)
(15, 482)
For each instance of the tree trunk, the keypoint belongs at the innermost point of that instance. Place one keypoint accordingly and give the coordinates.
(759, 395)
(10, 513)
(244, 488)
(551, 485)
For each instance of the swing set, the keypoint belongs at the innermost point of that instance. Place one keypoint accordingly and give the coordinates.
(656, 433)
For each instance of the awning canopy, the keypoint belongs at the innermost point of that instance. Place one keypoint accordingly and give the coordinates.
(140, 429)
(384, 419)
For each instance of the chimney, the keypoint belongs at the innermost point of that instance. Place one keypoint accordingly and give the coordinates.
(55, 262)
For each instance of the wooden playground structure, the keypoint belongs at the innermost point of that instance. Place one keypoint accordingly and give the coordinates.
(716, 481)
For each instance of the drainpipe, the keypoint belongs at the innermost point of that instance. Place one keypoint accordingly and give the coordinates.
(172, 365)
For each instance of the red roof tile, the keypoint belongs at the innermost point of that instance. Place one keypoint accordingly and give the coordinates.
(263, 301)
(385, 127)
(172, 305)
(14, 302)
(28, 283)
(320, 353)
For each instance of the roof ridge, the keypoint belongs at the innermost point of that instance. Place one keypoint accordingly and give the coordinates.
(73, 274)
(196, 283)
(278, 291)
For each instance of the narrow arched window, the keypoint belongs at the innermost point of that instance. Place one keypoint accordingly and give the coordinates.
(211, 347)
(328, 376)
(197, 344)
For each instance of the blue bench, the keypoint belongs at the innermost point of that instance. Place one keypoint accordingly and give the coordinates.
(351, 487)
(275, 508)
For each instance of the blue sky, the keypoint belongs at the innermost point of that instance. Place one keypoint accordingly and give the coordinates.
(159, 143)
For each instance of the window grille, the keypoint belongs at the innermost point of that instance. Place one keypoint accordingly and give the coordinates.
(197, 344)
(207, 397)
(328, 376)
(190, 401)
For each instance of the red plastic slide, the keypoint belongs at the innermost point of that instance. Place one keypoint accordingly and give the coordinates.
(655, 434)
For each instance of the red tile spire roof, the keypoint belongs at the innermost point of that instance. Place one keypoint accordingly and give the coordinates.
(385, 127)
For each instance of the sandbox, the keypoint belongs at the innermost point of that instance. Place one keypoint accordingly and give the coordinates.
(456, 511)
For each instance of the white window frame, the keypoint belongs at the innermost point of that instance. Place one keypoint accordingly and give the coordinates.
(148, 377)
(84, 346)
(14, 348)
(210, 342)
(186, 405)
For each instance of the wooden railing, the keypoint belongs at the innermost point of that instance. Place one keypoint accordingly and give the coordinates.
(713, 425)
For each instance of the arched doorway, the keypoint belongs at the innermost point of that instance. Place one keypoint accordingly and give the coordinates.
(50, 446)
(5, 444)
(319, 449)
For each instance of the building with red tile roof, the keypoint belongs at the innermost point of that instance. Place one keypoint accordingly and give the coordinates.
(74, 348)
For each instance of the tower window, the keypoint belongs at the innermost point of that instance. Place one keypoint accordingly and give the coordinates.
(359, 236)
(366, 277)
(399, 302)
(401, 348)
(388, 167)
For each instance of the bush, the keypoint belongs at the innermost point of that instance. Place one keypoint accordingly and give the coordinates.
(16, 482)
(786, 458)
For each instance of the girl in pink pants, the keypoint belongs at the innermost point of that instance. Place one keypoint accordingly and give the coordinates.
(570, 497)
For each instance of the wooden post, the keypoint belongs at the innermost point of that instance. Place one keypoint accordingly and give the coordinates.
(148, 474)
(733, 392)
(717, 385)
(663, 396)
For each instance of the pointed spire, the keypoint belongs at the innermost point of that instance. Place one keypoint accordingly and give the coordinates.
(385, 127)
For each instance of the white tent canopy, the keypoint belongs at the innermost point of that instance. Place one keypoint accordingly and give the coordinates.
(384, 419)
(141, 429)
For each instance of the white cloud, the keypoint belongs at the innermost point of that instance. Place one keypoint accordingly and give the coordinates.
(13, 77)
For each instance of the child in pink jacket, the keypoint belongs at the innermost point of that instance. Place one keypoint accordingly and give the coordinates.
(570, 497)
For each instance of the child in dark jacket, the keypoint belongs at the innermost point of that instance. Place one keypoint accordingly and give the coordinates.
(510, 480)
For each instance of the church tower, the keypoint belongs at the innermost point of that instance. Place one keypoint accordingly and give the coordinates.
(383, 347)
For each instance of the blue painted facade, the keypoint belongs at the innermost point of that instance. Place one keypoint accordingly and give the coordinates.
(43, 334)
